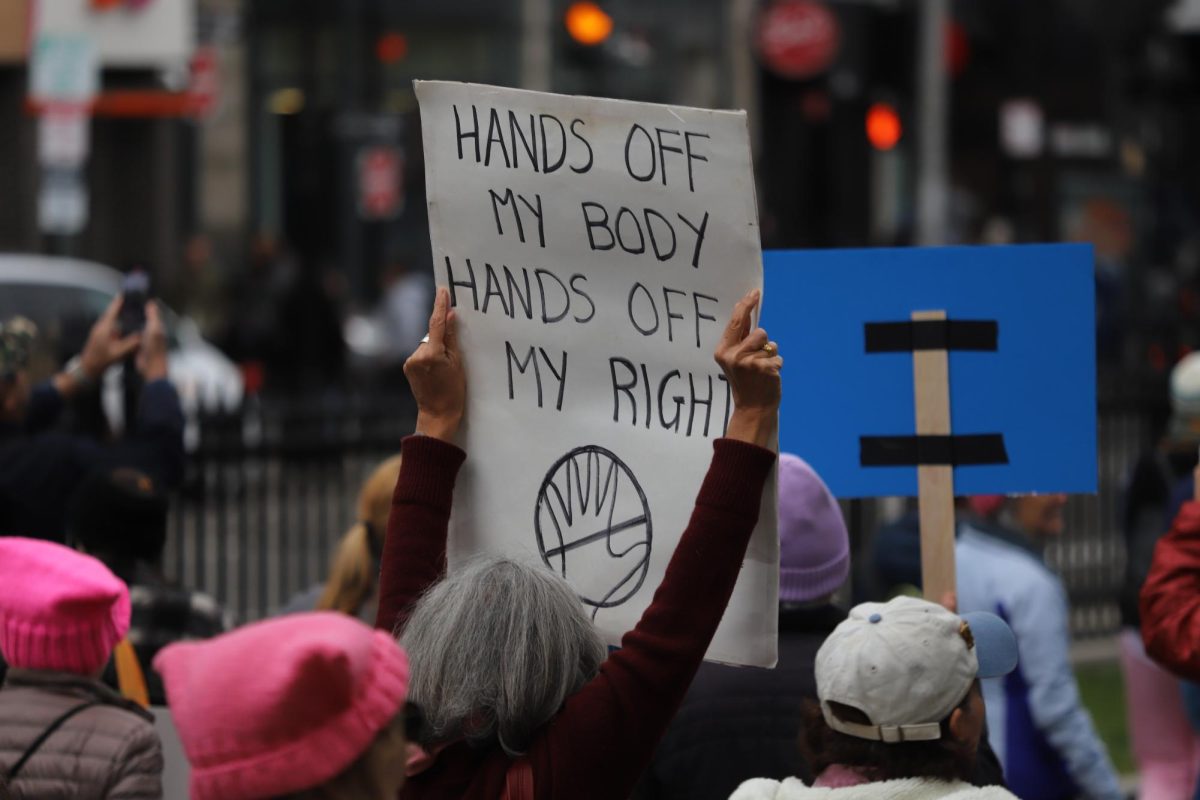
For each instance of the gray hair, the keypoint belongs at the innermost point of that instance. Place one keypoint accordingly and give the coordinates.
(495, 649)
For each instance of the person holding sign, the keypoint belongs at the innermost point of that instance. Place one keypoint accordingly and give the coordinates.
(512, 677)
(900, 713)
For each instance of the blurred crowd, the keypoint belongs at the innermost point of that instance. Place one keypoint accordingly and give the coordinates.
(392, 678)
(290, 323)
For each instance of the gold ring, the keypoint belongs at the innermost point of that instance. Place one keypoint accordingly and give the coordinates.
(769, 349)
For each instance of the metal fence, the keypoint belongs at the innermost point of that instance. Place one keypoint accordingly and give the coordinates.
(270, 489)
(1090, 556)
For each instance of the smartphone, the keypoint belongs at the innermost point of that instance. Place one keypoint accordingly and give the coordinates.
(136, 291)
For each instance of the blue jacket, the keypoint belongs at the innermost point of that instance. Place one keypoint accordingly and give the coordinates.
(1038, 727)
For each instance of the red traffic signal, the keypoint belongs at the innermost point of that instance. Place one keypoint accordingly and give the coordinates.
(587, 23)
(884, 128)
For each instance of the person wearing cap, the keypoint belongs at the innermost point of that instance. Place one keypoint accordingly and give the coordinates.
(738, 723)
(1170, 600)
(513, 678)
(63, 733)
(306, 706)
(39, 466)
(1037, 724)
(899, 713)
(1164, 744)
(120, 517)
(1170, 604)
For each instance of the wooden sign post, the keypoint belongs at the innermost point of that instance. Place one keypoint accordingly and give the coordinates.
(935, 482)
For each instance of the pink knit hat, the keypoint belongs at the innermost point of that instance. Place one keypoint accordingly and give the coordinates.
(59, 609)
(283, 705)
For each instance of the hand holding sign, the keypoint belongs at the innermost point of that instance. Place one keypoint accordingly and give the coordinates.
(751, 364)
(591, 248)
(435, 374)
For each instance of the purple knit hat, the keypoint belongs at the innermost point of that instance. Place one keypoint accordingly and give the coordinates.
(814, 547)
(59, 610)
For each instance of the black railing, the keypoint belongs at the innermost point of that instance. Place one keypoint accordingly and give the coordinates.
(271, 487)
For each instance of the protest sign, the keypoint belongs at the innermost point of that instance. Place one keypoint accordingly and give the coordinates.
(1020, 343)
(594, 250)
(939, 371)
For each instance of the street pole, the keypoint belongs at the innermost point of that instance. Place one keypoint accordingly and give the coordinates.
(352, 105)
(536, 29)
(933, 91)
(743, 68)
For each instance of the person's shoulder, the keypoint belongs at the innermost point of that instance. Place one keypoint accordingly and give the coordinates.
(934, 789)
(757, 789)
(769, 789)
(118, 721)
(304, 600)
(973, 540)
(983, 793)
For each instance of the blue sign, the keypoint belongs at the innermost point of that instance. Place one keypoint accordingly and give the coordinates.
(1020, 334)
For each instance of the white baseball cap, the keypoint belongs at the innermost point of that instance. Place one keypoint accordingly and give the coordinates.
(907, 664)
(1185, 399)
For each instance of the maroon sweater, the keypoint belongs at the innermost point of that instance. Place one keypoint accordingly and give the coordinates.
(601, 741)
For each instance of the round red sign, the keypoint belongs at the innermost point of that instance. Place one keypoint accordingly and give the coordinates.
(797, 39)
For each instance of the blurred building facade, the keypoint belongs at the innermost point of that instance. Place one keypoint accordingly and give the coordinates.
(1068, 119)
(139, 175)
(331, 105)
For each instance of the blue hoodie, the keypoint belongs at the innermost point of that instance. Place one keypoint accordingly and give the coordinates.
(1038, 726)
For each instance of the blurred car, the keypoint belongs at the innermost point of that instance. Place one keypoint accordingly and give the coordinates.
(64, 296)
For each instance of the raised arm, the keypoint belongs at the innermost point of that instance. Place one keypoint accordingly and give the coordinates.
(414, 552)
(104, 347)
(154, 442)
(606, 734)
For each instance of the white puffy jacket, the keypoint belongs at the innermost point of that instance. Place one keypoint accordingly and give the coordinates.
(905, 789)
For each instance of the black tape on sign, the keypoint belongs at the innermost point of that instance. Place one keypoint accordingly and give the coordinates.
(911, 451)
(931, 334)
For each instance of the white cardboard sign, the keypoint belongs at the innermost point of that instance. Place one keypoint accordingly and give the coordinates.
(594, 250)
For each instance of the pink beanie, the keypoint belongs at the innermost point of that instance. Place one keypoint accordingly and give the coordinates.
(59, 609)
(283, 705)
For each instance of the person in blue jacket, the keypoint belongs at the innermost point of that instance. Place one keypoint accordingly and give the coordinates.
(40, 467)
(1038, 727)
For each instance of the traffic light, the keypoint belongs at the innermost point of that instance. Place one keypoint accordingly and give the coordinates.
(391, 47)
(884, 127)
(587, 23)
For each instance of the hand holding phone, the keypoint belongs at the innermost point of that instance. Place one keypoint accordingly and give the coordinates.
(136, 292)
